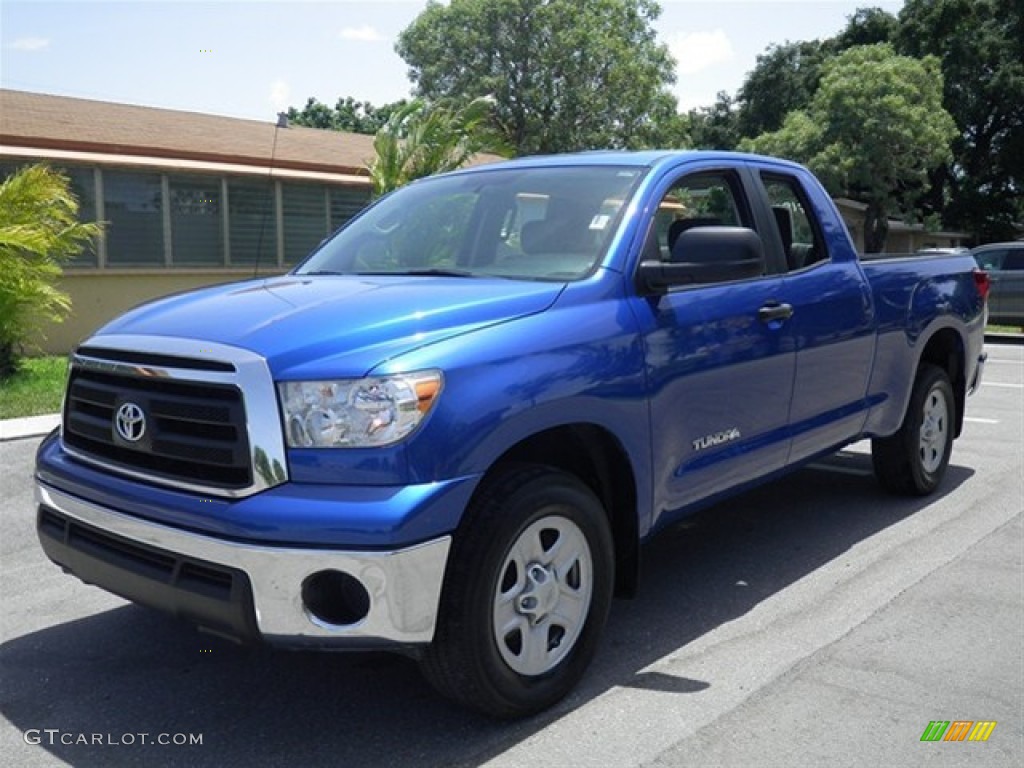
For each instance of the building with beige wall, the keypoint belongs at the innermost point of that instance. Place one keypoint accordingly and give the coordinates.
(189, 199)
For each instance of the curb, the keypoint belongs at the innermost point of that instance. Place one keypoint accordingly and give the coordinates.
(30, 426)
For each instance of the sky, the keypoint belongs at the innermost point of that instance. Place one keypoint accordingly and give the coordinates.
(252, 59)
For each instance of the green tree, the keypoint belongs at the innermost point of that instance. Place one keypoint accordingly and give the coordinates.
(867, 26)
(420, 140)
(715, 127)
(872, 132)
(39, 231)
(786, 76)
(564, 74)
(981, 46)
(347, 115)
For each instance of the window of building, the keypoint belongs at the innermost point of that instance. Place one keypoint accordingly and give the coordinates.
(83, 186)
(346, 202)
(136, 211)
(252, 222)
(197, 230)
(133, 208)
(304, 218)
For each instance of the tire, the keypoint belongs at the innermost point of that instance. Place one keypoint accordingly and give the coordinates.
(913, 461)
(526, 594)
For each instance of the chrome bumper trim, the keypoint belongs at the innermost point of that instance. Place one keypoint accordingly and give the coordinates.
(404, 585)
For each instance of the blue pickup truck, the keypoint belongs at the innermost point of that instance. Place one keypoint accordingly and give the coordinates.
(449, 431)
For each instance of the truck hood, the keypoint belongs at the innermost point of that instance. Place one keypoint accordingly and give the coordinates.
(315, 326)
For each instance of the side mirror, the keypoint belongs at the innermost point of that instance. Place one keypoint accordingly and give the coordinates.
(705, 255)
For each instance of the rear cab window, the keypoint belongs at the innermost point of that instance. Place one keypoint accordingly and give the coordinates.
(794, 221)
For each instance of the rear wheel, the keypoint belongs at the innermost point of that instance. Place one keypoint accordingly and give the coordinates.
(914, 460)
(526, 595)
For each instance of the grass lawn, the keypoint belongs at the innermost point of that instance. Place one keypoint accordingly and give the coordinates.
(1004, 329)
(35, 389)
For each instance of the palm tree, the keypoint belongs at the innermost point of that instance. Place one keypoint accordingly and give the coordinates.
(420, 140)
(39, 230)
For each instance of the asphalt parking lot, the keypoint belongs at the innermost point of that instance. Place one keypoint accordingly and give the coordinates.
(815, 621)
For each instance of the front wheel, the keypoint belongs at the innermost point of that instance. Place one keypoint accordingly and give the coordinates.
(526, 594)
(914, 460)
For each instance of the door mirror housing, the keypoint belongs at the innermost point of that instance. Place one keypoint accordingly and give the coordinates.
(705, 255)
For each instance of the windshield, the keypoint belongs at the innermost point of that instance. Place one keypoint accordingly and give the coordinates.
(528, 223)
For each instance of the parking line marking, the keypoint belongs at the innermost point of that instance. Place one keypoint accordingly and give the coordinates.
(980, 421)
(1001, 384)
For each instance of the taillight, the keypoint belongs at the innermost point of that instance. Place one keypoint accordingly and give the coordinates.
(982, 283)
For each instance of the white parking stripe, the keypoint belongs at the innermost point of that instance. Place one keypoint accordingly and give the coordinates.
(1001, 384)
(981, 421)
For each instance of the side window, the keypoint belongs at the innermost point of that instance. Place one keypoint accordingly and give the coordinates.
(992, 259)
(700, 200)
(1014, 260)
(798, 230)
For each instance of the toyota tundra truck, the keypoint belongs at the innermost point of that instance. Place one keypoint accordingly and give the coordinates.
(449, 431)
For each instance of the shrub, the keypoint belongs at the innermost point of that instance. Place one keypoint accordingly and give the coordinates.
(39, 231)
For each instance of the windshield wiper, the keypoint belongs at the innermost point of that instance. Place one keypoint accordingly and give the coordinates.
(425, 271)
(440, 272)
(321, 272)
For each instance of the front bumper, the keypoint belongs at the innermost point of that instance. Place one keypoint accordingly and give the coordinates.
(245, 591)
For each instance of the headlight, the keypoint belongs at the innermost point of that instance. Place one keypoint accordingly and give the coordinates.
(356, 413)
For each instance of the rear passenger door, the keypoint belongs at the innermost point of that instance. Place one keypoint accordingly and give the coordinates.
(832, 321)
(720, 371)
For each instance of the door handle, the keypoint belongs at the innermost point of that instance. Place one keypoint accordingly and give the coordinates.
(774, 312)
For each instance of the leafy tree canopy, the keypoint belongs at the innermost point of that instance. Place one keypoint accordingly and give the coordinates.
(564, 74)
(347, 115)
(981, 46)
(786, 76)
(714, 127)
(420, 140)
(873, 130)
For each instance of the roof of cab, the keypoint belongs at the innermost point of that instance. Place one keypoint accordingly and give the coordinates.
(648, 158)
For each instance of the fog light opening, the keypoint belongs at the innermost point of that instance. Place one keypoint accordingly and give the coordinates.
(335, 598)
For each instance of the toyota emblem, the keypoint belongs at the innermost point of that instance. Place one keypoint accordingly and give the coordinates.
(130, 422)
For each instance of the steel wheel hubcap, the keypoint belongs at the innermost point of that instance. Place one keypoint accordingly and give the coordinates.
(934, 427)
(543, 595)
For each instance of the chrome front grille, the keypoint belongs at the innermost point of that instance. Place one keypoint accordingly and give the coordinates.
(195, 431)
(158, 414)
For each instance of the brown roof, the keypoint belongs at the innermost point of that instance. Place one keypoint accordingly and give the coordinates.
(58, 122)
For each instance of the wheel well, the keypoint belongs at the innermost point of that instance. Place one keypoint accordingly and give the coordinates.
(946, 350)
(596, 457)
